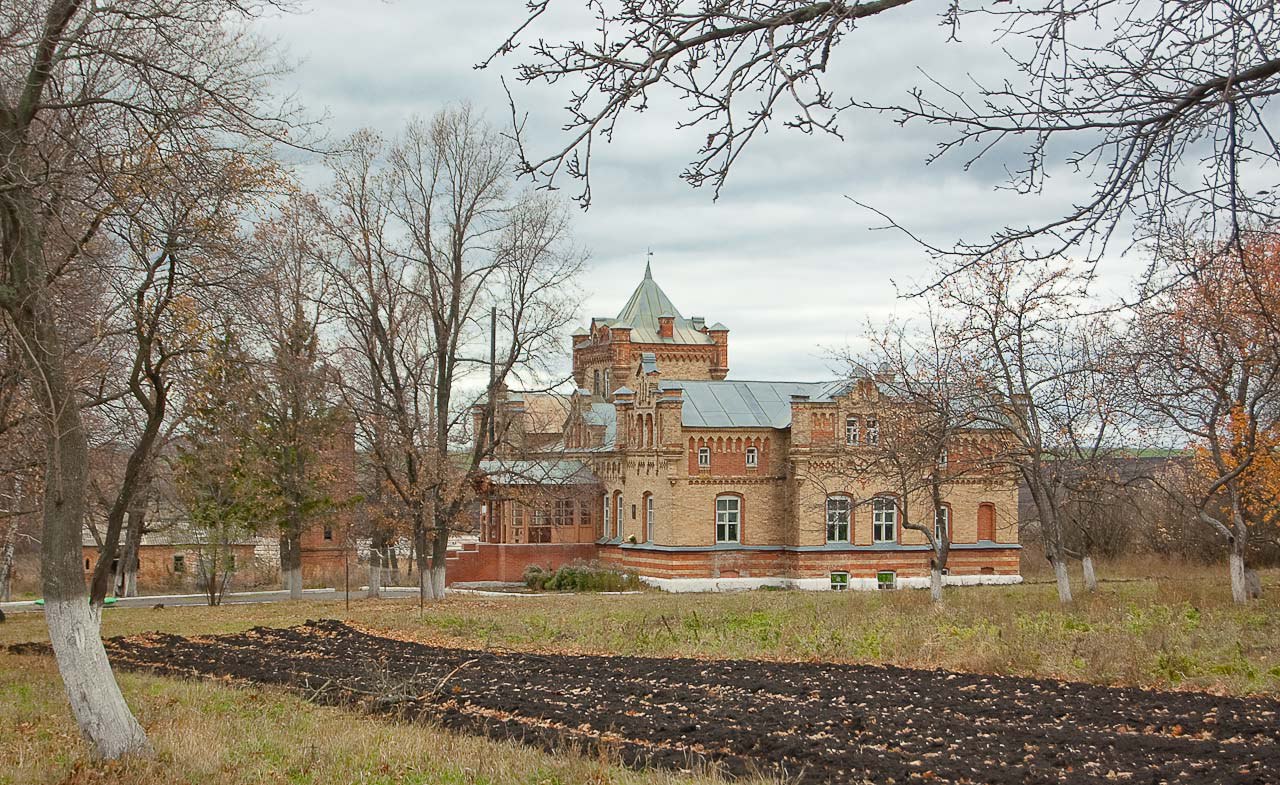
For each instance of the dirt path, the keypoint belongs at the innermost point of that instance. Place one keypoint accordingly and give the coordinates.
(814, 723)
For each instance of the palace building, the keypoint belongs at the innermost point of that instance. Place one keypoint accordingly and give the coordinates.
(660, 464)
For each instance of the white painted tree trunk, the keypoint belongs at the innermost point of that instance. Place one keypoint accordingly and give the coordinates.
(935, 584)
(1090, 577)
(103, 716)
(1239, 589)
(293, 581)
(375, 573)
(425, 587)
(1064, 580)
(437, 580)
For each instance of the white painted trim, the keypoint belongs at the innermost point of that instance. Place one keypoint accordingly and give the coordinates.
(817, 584)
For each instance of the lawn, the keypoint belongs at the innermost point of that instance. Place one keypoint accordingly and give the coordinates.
(1179, 631)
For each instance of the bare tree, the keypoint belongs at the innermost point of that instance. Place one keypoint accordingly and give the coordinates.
(931, 436)
(88, 91)
(1016, 317)
(1207, 357)
(429, 249)
(1157, 105)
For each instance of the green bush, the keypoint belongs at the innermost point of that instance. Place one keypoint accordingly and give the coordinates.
(580, 577)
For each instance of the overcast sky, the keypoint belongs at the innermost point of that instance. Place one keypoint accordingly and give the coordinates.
(789, 264)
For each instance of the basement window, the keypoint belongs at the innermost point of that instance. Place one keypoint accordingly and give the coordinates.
(886, 579)
(179, 562)
(839, 581)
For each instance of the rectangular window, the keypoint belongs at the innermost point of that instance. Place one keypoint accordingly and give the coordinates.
(942, 524)
(539, 516)
(873, 430)
(753, 457)
(886, 580)
(562, 512)
(179, 562)
(839, 581)
(942, 458)
(838, 518)
(584, 514)
(517, 514)
(884, 517)
(328, 532)
(704, 457)
(605, 532)
(728, 518)
(851, 430)
(633, 512)
(618, 516)
(648, 519)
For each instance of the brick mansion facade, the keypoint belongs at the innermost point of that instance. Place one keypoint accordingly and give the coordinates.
(660, 464)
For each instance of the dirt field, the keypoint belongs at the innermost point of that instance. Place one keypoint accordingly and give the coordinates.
(804, 722)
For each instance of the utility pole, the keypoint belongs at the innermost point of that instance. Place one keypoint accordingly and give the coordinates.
(493, 378)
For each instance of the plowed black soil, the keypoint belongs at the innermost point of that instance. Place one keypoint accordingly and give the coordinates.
(812, 723)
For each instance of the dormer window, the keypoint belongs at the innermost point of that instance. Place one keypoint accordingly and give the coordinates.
(851, 430)
(873, 430)
(753, 457)
(704, 457)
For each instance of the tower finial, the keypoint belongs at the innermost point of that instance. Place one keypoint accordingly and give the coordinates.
(648, 274)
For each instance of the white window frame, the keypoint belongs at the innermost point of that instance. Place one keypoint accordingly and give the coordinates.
(753, 457)
(728, 519)
(608, 504)
(873, 430)
(839, 581)
(886, 585)
(704, 457)
(884, 516)
(621, 514)
(943, 458)
(942, 524)
(851, 429)
(837, 524)
(648, 518)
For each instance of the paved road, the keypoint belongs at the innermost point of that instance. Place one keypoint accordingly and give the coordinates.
(231, 598)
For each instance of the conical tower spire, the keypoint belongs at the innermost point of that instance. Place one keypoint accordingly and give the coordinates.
(648, 274)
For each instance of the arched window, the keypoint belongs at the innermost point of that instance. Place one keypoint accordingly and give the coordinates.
(648, 517)
(728, 519)
(617, 498)
(884, 519)
(838, 510)
(987, 521)
(604, 532)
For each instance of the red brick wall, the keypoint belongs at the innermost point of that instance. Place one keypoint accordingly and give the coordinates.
(507, 562)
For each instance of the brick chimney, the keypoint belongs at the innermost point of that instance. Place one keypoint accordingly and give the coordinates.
(666, 326)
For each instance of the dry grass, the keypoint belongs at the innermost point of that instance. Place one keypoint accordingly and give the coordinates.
(208, 733)
(1178, 631)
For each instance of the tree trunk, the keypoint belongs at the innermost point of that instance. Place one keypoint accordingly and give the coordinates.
(128, 586)
(100, 710)
(1090, 577)
(375, 569)
(439, 554)
(1064, 580)
(1239, 587)
(7, 558)
(291, 564)
(935, 583)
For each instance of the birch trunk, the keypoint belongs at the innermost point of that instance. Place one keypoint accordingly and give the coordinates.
(1090, 577)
